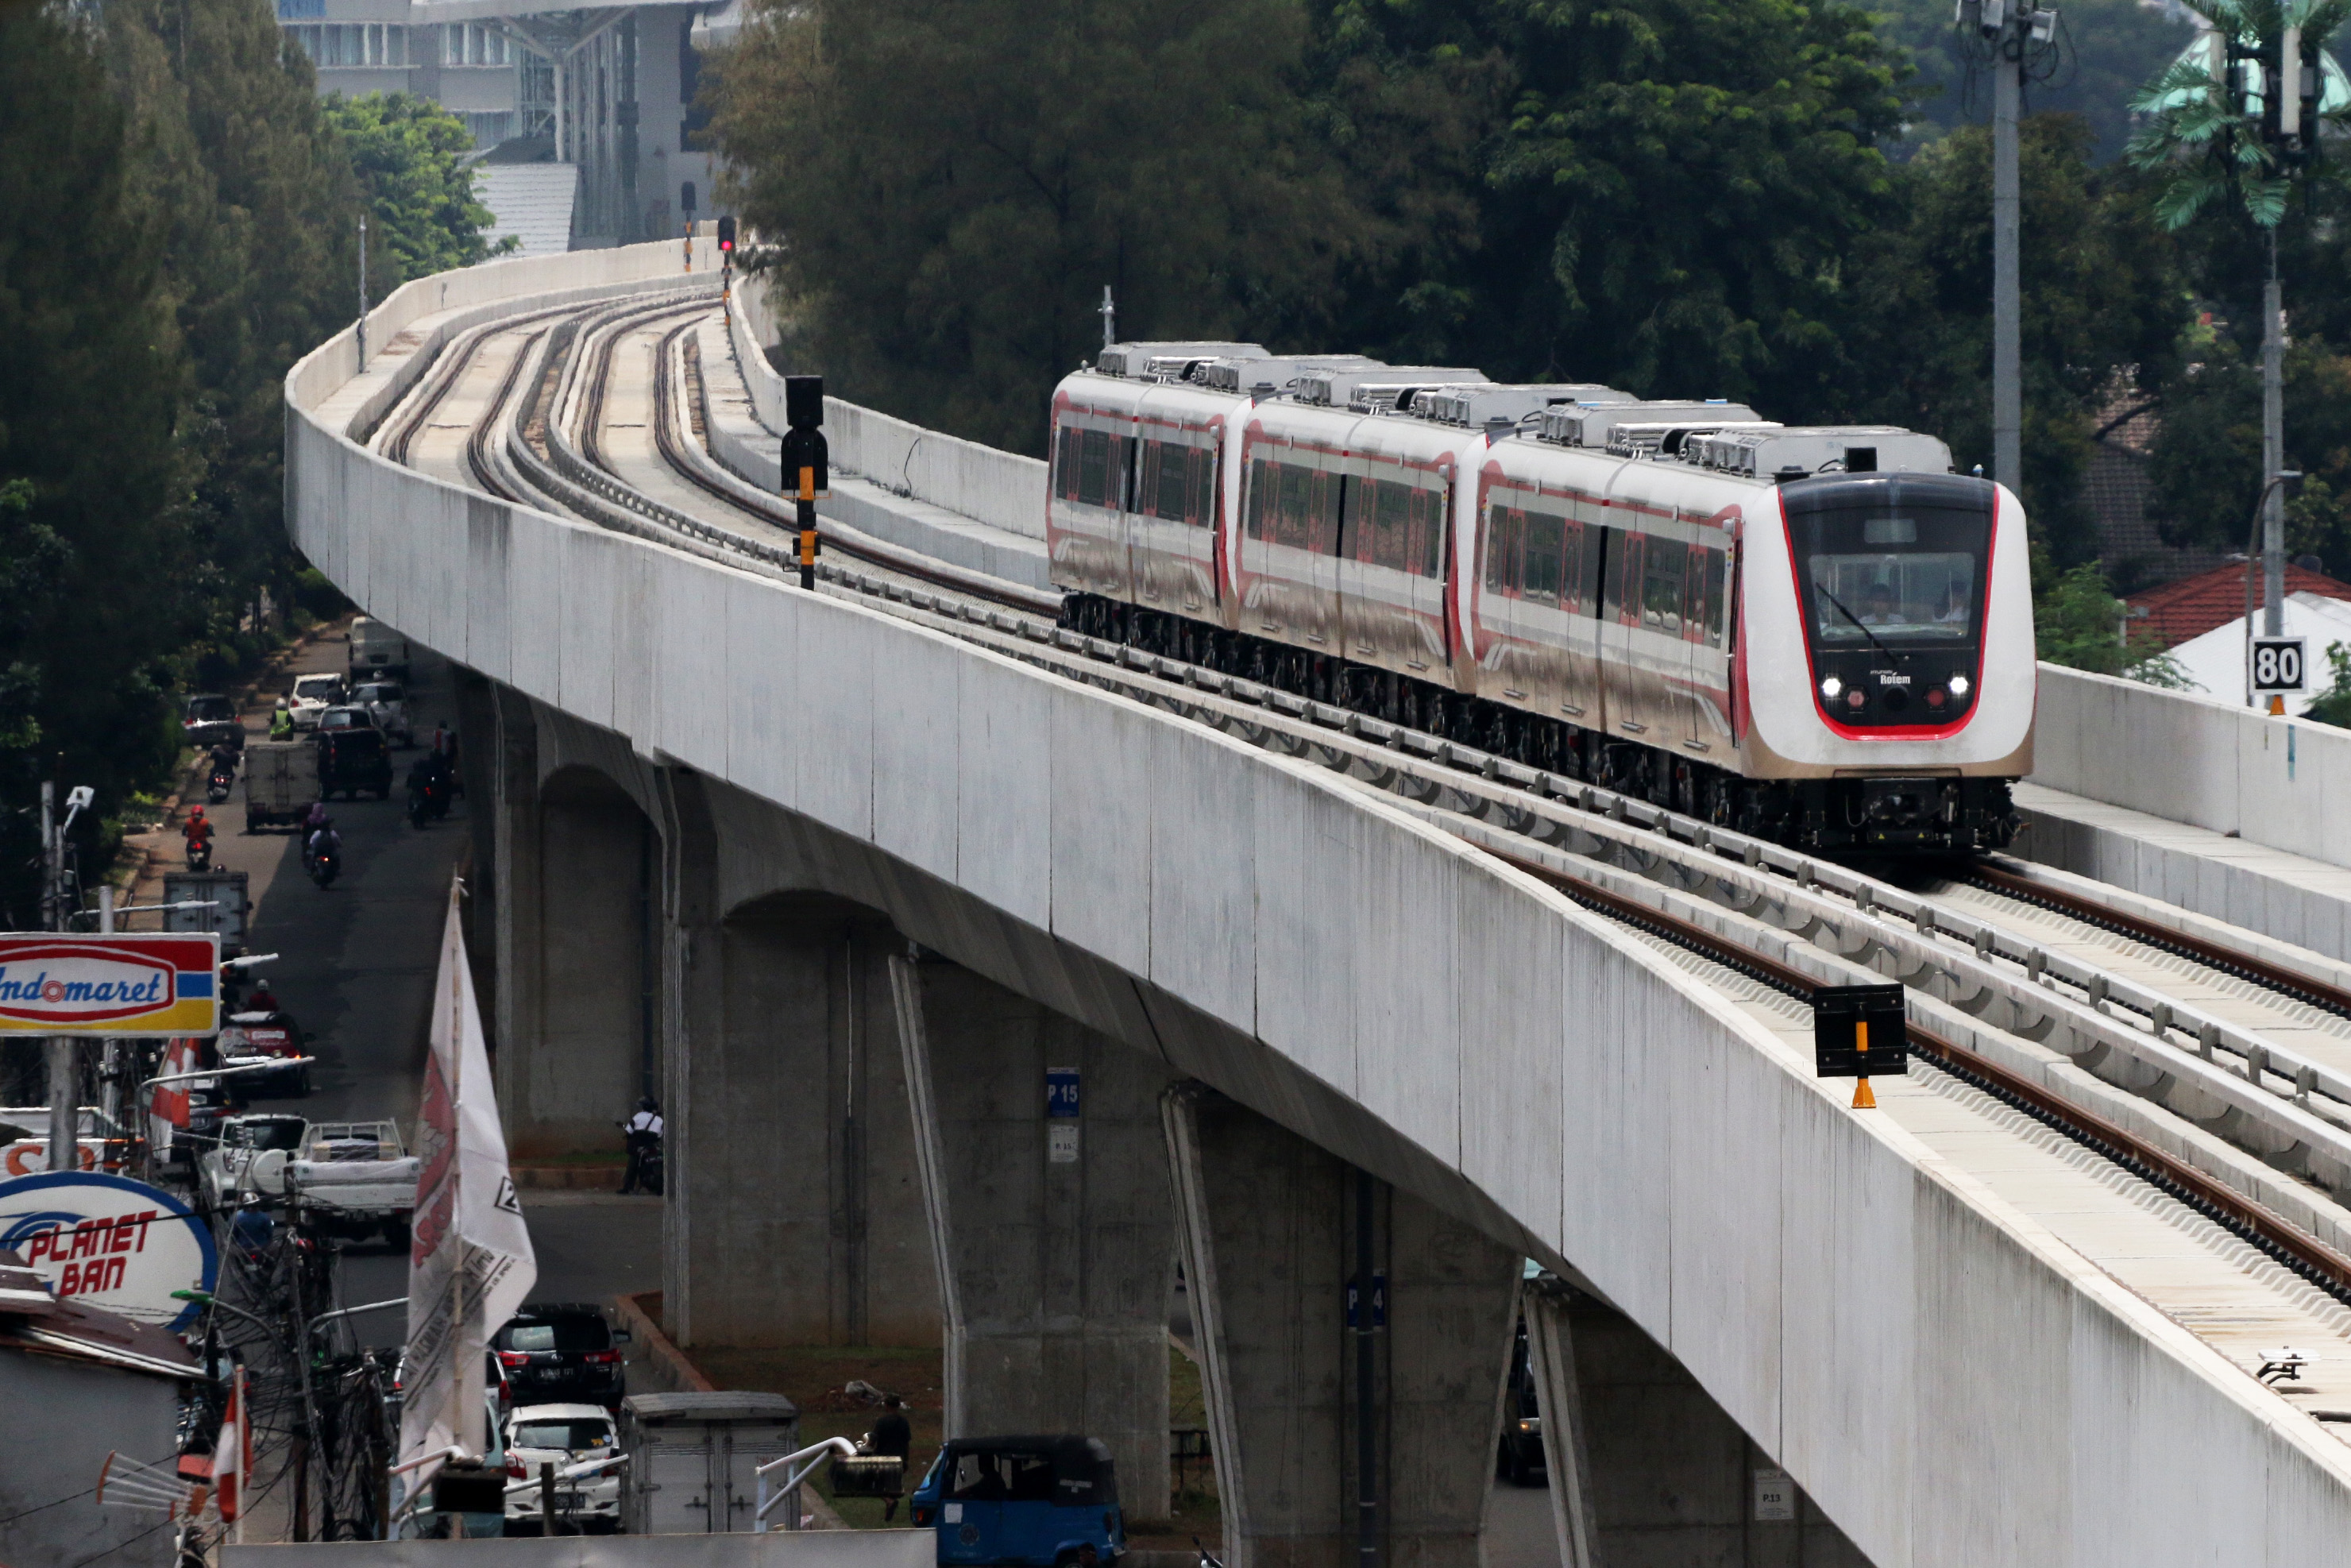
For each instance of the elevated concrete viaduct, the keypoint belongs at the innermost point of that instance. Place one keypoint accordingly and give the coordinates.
(895, 878)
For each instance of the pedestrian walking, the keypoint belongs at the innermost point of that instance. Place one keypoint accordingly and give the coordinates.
(892, 1434)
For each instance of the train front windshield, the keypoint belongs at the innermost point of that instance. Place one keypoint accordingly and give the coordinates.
(1892, 560)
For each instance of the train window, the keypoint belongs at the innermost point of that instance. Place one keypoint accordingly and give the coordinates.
(1713, 570)
(1622, 553)
(1261, 484)
(1504, 526)
(1545, 543)
(1328, 494)
(1167, 477)
(1093, 469)
(1391, 510)
(1425, 512)
(1203, 513)
(1661, 591)
(1289, 521)
(1891, 557)
(1065, 462)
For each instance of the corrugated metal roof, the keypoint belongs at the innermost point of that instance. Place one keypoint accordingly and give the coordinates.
(532, 201)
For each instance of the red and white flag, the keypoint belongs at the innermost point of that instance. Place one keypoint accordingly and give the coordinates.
(233, 1453)
(470, 1263)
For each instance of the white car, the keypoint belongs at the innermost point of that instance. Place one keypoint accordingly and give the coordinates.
(386, 704)
(250, 1157)
(561, 1436)
(314, 695)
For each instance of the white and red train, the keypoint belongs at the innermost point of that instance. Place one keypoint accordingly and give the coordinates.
(1819, 635)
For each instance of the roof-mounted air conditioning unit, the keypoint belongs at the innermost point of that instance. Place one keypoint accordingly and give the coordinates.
(1797, 452)
(1380, 385)
(1273, 374)
(1480, 407)
(1134, 359)
(1594, 423)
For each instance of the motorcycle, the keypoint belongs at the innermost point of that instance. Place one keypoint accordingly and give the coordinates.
(200, 854)
(217, 787)
(326, 865)
(428, 800)
(650, 1169)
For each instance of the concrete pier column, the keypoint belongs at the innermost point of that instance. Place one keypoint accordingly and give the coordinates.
(795, 1211)
(504, 776)
(1051, 1223)
(582, 1040)
(1303, 1407)
(1559, 1398)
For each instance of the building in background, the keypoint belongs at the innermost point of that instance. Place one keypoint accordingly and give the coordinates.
(605, 88)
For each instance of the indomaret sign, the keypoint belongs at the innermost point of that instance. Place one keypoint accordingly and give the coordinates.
(143, 983)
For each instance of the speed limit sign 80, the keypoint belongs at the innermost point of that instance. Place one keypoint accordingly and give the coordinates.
(2277, 666)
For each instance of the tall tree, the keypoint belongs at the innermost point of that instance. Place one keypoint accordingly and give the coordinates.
(91, 379)
(951, 187)
(410, 154)
(2102, 290)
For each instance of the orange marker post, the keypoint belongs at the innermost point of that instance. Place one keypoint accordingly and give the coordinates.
(1862, 1099)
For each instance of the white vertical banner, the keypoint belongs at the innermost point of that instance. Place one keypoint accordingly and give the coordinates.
(470, 1263)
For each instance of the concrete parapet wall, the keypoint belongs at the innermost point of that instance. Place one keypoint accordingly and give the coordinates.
(1951, 1385)
(2212, 764)
(777, 1549)
(1002, 489)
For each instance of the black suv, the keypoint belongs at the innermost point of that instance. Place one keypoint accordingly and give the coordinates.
(561, 1352)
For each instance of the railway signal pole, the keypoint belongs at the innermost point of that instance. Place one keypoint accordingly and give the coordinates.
(804, 462)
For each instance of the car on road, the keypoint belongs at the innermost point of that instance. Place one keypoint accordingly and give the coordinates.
(563, 1350)
(387, 703)
(562, 1434)
(209, 718)
(250, 1157)
(257, 1038)
(313, 695)
(377, 650)
(1030, 1501)
(352, 756)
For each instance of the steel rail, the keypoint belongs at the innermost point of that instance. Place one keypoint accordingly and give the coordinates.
(2254, 1223)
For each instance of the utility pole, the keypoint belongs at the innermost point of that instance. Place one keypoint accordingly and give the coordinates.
(2010, 29)
(2007, 330)
(64, 1062)
(362, 291)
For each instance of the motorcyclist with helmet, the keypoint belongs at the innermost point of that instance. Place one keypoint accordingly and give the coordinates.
(199, 835)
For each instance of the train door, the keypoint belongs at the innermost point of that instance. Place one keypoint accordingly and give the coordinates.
(1629, 678)
(1326, 497)
(1705, 628)
(1427, 504)
(1664, 639)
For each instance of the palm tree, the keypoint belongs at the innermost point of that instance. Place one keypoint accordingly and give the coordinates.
(2210, 117)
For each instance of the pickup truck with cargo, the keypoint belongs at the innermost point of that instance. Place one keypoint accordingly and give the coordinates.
(355, 1178)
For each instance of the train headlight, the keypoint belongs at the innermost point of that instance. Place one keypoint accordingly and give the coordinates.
(1830, 686)
(1856, 698)
(1959, 685)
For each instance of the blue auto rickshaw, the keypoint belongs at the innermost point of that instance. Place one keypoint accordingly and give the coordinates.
(1036, 1502)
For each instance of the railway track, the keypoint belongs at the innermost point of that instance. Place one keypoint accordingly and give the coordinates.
(1995, 1010)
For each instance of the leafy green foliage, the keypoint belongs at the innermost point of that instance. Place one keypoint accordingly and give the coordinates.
(409, 154)
(2102, 289)
(2333, 706)
(177, 224)
(2105, 50)
(952, 187)
(2077, 621)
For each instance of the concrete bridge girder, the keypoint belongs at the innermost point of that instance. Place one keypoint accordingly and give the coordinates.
(1952, 1384)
